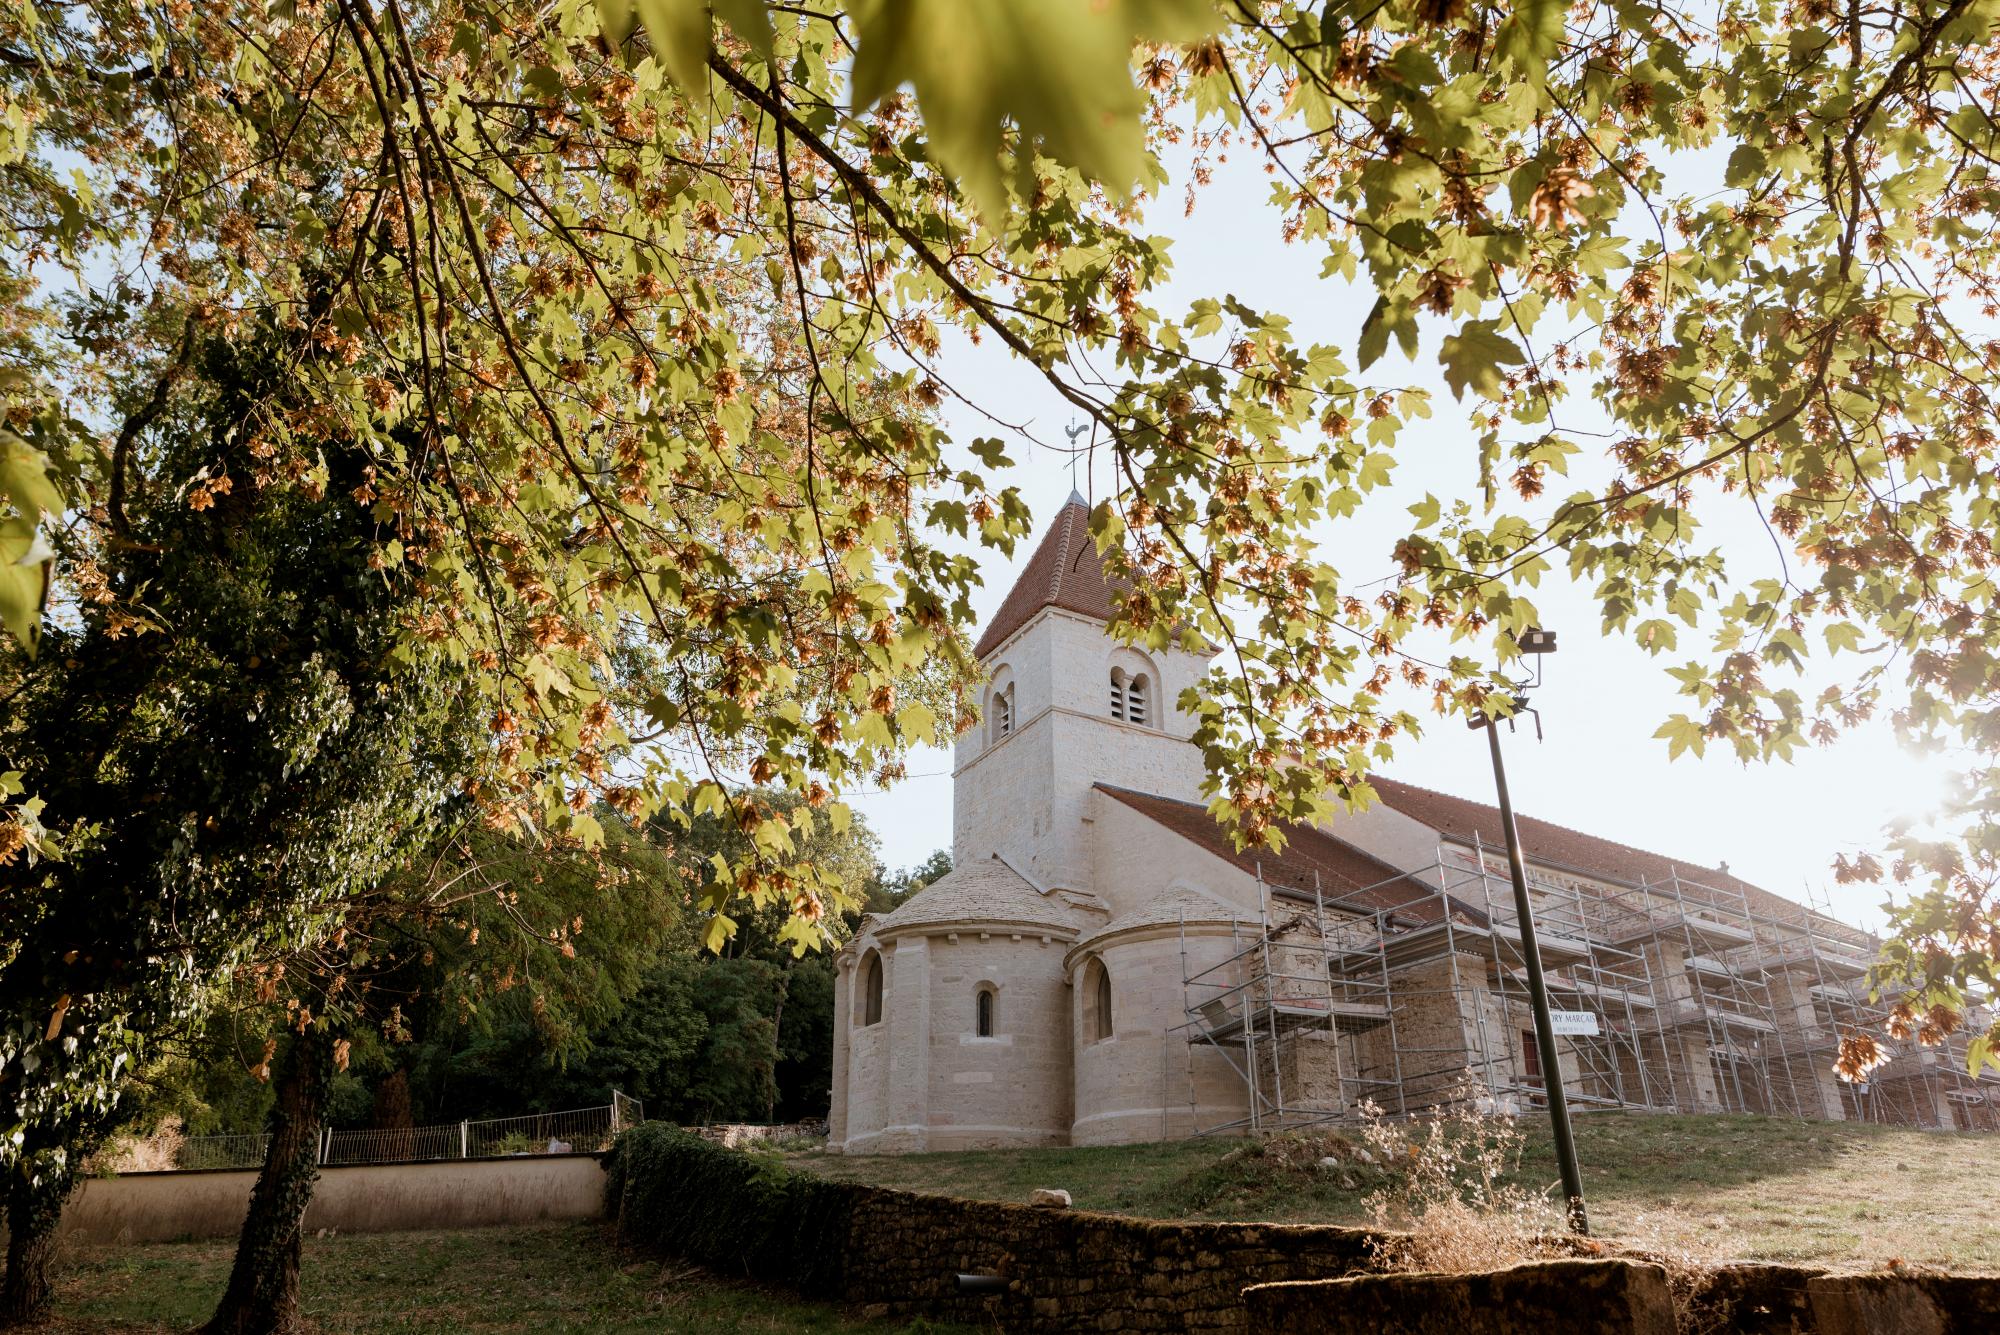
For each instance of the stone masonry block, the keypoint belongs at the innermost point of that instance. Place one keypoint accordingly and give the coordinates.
(1575, 1297)
(1893, 1304)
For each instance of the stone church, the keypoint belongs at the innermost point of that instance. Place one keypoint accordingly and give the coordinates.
(1102, 966)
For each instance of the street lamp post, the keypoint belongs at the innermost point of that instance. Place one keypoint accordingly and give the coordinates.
(1537, 642)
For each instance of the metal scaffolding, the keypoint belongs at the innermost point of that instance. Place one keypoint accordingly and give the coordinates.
(1288, 995)
(1705, 998)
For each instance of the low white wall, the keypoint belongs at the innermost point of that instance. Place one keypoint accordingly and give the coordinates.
(376, 1198)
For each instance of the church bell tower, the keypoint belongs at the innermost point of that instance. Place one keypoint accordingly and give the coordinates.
(1065, 706)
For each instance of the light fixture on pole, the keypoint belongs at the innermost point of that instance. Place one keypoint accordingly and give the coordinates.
(1536, 642)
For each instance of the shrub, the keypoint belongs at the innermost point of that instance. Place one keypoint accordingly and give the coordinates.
(1449, 1188)
(673, 1192)
(518, 1142)
(158, 1150)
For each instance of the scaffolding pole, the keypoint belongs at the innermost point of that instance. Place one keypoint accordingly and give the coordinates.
(1392, 995)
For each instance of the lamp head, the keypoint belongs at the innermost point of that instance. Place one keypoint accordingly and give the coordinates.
(1535, 640)
(1479, 718)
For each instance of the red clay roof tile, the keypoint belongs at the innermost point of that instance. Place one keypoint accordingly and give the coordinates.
(1064, 572)
(1343, 872)
(1544, 841)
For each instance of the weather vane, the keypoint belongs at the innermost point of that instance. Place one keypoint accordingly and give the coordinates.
(1073, 430)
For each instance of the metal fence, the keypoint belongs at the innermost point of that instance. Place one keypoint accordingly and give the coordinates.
(580, 1130)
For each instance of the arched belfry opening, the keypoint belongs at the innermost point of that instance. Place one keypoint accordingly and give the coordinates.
(1131, 697)
(1000, 715)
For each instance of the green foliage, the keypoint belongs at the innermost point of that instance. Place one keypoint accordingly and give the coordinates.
(746, 1036)
(481, 972)
(638, 317)
(736, 1066)
(229, 742)
(24, 555)
(467, 992)
(700, 847)
(1000, 82)
(705, 1045)
(804, 1070)
(671, 1192)
(547, 938)
(650, 1050)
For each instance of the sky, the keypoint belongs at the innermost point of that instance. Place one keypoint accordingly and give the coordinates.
(1597, 767)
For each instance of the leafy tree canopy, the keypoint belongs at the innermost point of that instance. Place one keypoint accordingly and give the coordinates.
(231, 737)
(660, 298)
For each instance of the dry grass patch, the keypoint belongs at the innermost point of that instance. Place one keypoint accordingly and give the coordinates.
(1761, 1188)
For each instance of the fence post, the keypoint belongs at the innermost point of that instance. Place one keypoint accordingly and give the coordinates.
(463, 1138)
(325, 1143)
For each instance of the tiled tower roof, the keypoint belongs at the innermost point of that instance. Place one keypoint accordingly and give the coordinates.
(1064, 572)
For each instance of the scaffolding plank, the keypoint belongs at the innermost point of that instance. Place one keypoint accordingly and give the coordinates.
(1349, 1017)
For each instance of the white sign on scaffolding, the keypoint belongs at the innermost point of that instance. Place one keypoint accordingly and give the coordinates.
(1573, 1024)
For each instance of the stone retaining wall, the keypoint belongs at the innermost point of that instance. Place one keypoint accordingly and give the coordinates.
(898, 1254)
(895, 1253)
(1623, 1297)
(1573, 1297)
(1892, 1304)
(1072, 1270)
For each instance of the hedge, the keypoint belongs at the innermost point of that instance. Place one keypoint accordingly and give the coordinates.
(675, 1193)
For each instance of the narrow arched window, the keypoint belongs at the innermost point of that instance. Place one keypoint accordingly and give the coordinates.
(871, 989)
(1135, 700)
(1129, 697)
(1003, 712)
(1096, 1001)
(983, 1013)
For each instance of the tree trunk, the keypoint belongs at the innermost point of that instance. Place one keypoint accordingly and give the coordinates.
(34, 1208)
(777, 1045)
(392, 1114)
(263, 1293)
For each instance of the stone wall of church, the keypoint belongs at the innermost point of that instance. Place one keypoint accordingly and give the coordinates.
(922, 1077)
(1014, 1087)
(1146, 1082)
(1134, 861)
(1382, 831)
(1026, 796)
(838, 1114)
(1002, 799)
(1436, 1035)
(863, 1052)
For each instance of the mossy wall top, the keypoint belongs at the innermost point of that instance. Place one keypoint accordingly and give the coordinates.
(899, 1254)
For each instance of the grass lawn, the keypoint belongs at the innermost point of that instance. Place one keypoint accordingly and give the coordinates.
(1837, 1194)
(548, 1277)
